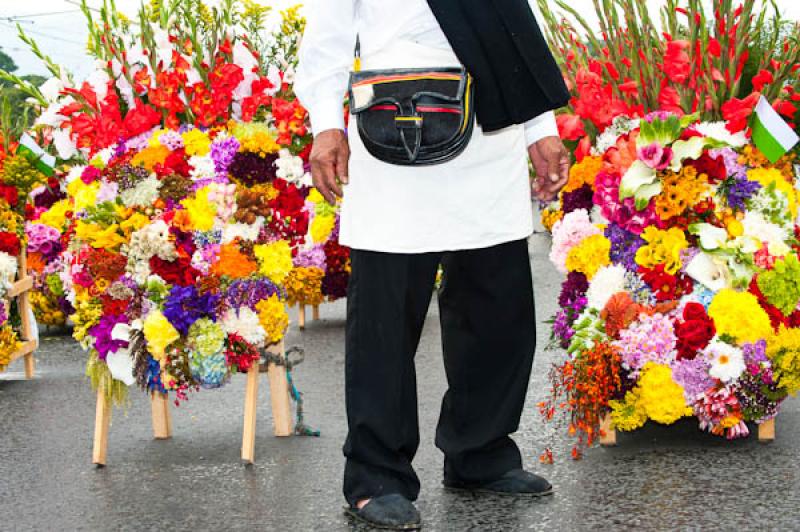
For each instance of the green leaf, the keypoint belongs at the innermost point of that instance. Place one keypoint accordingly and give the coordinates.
(645, 193)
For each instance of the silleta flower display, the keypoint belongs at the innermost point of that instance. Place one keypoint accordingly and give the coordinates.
(678, 237)
(191, 222)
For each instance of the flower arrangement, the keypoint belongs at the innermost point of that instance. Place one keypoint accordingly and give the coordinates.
(186, 220)
(20, 175)
(679, 238)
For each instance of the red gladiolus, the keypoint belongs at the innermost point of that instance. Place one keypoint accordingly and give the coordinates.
(141, 118)
(676, 61)
(584, 148)
(786, 108)
(764, 77)
(737, 112)
(570, 127)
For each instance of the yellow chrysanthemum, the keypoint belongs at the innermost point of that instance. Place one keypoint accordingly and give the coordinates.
(739, 315)
(321, 228)
(159, 333)
(663, 247)
(196, 142)
(591, 254)
(783, 349)
(273, 318)
(304, 285)
(314, 196)
(83, 195)
(549, 218)
(274, 260)
(255, 137)
(768, 176)
(661, 398)
(627, 414)
(201, 211)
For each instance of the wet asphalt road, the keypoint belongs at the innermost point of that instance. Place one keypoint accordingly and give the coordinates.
(656, 479)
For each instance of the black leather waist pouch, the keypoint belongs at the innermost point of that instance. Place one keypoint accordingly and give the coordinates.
(418, 116)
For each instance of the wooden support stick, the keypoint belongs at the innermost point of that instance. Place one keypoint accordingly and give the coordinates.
(766, 431)
(24, 284)
(279, 395)
(608, 436)
(162, 419)
(301, 315)
(250, 404)
(102, 419)
(315, 312)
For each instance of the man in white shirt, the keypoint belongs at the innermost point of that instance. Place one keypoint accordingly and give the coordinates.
(471, 214)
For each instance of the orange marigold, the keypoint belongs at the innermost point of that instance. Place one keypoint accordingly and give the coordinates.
(584, 173)
(233, 263)
(680, 191)
(151, 156)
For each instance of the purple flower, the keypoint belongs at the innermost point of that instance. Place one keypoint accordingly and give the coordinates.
(573, 288)
(562, 328)
(252, 169)
(739, 190)
(248, 292)
(185, 305)
(580, 198)
(222, 152)
(334, 284)
(102, 335)
(624, 245)
(313, 257)
(693, 376)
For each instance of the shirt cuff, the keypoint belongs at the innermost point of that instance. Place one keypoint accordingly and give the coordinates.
(327, 114)
(540, 127)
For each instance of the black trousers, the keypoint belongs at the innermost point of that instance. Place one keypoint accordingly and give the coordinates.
(488, 339)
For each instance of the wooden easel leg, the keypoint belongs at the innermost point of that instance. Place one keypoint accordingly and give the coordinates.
(30, 366)
(162, 419)
(25, 316)
(250, 404)
(301, 316)
(315, 312)
(608, 436)
(279, 395)
(766, 431)
(102, 419)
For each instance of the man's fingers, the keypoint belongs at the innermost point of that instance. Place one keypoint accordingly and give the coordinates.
(334, 187)
(342, 163)
(323, 178)
(554, 168)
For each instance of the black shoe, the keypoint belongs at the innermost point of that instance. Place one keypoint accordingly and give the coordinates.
(387, 512)
(515, 482)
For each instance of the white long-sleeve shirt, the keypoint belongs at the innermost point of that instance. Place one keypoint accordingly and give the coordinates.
(479, 199)
(326, 54)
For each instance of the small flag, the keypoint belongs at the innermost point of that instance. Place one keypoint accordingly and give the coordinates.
(43, 161)
(771, 134)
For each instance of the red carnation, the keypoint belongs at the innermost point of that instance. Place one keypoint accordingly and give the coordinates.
(9, 243)
(10, 194)
(179, 271)
(694, 332)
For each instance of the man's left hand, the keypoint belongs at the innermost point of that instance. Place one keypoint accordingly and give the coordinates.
(551, 161)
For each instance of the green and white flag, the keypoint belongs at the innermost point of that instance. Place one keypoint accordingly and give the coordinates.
(771, 134)
(43, 161)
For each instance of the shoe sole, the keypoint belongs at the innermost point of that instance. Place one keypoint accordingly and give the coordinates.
(483, 491)
(349, 512)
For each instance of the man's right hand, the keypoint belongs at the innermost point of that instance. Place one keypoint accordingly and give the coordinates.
(329, 158)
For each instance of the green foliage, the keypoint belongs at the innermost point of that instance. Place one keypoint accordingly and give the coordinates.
(781, 285)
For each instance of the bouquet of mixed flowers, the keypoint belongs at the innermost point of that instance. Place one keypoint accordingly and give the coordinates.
(187, 220)
(680, 244)
(23, 173)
